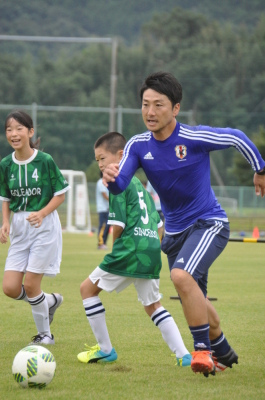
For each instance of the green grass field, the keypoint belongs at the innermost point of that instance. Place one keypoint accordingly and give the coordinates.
(145, 368)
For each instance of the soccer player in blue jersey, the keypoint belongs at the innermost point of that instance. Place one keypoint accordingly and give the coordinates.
(175, 158)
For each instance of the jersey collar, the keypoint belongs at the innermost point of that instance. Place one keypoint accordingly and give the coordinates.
(25, 161)
(171, 138)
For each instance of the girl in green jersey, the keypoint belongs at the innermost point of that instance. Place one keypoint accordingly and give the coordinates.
(32, 187)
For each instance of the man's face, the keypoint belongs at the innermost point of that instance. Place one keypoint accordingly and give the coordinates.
(157, 111)
(105, 157)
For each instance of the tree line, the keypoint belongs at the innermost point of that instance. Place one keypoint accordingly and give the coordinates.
(220, 68)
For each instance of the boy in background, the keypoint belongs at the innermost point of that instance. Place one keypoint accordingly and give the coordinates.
(102, 200)
(157, 202)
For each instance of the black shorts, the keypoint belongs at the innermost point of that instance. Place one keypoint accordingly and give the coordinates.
(195, 249)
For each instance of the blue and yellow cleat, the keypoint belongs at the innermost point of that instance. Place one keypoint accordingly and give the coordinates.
(185, 361)
(94, 354)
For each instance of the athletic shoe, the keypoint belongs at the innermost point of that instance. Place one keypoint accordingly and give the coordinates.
(185, 361)
(102, 247)
(95, 354)
(42, 339)
(58, 301)
(222, 362)
(202, 361)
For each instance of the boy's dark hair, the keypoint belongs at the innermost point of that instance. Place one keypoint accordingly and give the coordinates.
(24, 119)
(112, 141)
(164, 83)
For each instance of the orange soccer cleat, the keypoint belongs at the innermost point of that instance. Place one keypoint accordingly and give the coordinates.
(202, 361)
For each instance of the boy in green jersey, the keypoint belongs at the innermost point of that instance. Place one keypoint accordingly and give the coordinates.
(135, 258)
(32, 187)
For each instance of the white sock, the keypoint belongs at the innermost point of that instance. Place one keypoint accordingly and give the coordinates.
(95, 313)
(170, 332)
(50, 299)
(40, 311)
(23, 295)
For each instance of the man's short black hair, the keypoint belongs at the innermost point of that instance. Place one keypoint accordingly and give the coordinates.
(112, 141)
(164, 83)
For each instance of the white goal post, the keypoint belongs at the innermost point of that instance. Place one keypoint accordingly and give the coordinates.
(78, 219)
(229, 205)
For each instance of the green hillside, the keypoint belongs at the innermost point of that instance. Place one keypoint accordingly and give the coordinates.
(219, 62)
(111, 17)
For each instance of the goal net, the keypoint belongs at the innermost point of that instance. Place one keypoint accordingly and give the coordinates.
(75, 211)
(228, 204)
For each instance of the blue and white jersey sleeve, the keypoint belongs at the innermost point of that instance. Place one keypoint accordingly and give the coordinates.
(210, 139)
(128, 164)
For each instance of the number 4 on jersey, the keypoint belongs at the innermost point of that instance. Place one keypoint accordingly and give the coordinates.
(35, 174)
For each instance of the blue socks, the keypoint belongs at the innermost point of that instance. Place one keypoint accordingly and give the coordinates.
(201, 337)
(220, 346)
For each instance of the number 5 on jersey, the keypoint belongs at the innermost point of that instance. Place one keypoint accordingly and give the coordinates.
(143, 207)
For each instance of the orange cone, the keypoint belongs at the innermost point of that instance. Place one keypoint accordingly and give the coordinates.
(255, 233)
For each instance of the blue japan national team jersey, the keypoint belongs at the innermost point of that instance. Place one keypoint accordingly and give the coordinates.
(178, 168)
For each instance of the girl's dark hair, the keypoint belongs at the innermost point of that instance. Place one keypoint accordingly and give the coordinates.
(164, 83)
(24, 119)
(112, 141)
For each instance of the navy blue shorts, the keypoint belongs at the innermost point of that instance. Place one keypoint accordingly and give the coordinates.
(195, 249)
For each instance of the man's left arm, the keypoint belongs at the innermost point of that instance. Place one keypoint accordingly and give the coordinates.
(223, 138)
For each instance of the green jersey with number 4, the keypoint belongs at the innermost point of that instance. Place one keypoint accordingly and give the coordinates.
(137, 252)
(30, 185)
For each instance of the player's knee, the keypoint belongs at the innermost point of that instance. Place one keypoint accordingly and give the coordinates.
(29, 288)
(151, 308)
(10, 290)
(181, 280)
(6, 289)
(83, 288)
(88, 289)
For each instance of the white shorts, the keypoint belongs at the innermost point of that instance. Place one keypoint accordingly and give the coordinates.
(147, 289)
(37, 250)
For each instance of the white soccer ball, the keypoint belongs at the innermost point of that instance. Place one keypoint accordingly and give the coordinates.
(34, 367)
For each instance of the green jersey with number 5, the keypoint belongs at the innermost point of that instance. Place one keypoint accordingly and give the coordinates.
(30, 185)
(137, 252)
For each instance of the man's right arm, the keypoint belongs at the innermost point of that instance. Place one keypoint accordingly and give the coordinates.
(110, 174)
(118, 176)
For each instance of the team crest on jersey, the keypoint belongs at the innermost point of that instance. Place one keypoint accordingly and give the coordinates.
(181, 151)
